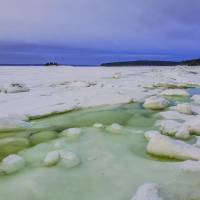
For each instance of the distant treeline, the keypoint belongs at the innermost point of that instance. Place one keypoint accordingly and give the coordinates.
(194, 62)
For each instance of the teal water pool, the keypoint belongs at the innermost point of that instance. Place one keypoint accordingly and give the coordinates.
(112, 164)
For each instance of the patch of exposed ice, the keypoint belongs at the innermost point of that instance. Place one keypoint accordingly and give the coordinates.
(13, 124)
(42, 136)
(11, 145)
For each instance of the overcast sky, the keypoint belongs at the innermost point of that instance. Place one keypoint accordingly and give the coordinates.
(95, 31)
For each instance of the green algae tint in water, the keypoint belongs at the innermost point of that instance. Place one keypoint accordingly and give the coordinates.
(112, 165)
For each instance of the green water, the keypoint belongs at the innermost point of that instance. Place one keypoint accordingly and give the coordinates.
(112, 165)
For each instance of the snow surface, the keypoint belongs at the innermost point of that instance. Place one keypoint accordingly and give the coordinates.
(59, 89)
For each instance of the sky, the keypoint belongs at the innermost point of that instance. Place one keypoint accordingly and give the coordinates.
(96, 31)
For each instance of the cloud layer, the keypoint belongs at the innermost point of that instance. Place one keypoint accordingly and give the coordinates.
(99, 28)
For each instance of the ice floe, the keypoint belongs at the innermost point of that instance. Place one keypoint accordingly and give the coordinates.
(52, 158)
(115, 128)
(11, 164)
(174, 128)
(156, 103)
(161, 145)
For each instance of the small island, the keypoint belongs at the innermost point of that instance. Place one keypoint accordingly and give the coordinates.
(51, 64)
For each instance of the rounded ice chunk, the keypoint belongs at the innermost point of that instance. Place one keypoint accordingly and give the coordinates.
(12, 163)
(165, 146)
(52, 158)
(174, 128)
(114, 128)
(156, 103)
(98, 125)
